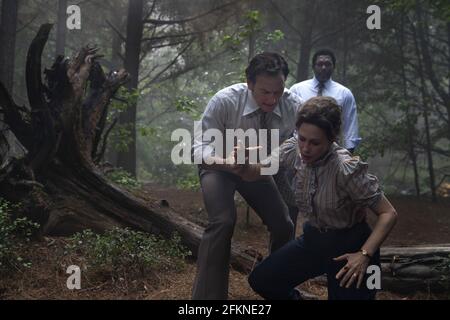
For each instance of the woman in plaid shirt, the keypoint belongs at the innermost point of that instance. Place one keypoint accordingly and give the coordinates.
(333, 191)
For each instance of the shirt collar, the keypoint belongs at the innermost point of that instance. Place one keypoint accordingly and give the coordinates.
(325, 85)
(251, 105)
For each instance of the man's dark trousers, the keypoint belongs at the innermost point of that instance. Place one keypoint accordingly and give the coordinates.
(218, 190)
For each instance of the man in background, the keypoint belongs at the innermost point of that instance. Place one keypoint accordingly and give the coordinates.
(323, 64)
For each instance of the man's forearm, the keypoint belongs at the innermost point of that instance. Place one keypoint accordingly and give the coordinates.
(216, 163)
(247, 172)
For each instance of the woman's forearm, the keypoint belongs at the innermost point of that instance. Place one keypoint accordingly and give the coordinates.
(387, 217)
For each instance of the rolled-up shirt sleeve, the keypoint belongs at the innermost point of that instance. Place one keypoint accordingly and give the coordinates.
(212, 118)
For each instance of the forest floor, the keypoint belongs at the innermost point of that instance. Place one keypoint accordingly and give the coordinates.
(420, 222)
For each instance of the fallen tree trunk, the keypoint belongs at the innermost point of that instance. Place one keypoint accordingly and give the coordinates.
(58, 182)
(410, 269)
(60, 185)
(421, 268)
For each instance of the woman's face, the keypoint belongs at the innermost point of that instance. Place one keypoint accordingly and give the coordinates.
(313, 142)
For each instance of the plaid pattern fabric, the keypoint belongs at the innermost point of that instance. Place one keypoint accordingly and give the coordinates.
(334, 191)
(284, 179)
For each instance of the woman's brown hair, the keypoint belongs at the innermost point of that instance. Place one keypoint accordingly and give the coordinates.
(323, 112)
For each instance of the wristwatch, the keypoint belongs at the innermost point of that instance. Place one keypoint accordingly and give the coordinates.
(365, 253)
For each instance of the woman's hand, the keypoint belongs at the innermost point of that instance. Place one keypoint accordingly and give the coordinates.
(354, 269)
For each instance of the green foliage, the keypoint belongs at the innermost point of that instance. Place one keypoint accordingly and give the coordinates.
(126, 252)
(252, 25)
(439, 8)
(275, 36)
(146, 131)
(188, 106)
(14, 235)
(250, 31)
(399, 5)
(120, 137)
(124, 99)
(123, 178)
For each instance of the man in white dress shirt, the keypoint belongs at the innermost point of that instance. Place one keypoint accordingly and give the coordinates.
(323, 64)
(261, 103)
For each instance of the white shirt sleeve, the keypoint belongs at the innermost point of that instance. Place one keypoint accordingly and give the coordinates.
(350, 122)
(214, 117)
(296, 90)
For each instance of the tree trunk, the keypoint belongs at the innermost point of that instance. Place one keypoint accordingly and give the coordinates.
(303, 59)
(429, 146)
(410, 269)
(117, 62)
(448, 68)
(61, 28)
(305, 22)
(57, 182)
(427, 68)
(425, 102)
(116, 48)
(411, 124)
(413, 157)
(127, 160)
(8, 29)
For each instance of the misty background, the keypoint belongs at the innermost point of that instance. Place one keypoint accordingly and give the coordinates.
(180, 52)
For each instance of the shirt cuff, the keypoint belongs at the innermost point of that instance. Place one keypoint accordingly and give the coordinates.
(201, 153)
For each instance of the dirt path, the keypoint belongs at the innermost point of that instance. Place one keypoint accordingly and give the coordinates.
(420, 222)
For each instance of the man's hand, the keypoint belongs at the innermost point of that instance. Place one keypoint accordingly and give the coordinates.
(248, 172)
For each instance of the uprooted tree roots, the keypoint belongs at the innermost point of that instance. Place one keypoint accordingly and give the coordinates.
(59, 182)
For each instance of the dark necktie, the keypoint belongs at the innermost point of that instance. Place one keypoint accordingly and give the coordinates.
(320, 87)
(265, 124)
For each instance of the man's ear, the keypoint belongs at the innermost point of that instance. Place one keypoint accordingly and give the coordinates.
(250, 84)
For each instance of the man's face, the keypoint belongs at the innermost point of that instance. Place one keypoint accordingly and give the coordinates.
(323, 68)
(267, 90)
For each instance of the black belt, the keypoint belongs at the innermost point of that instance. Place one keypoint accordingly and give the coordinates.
(327, 230)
